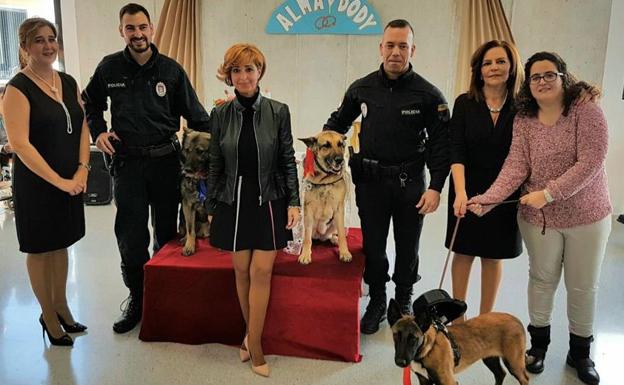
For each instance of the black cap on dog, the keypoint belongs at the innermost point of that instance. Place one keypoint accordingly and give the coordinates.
(438, 303)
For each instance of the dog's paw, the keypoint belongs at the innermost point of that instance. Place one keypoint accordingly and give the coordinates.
(188, 250)
(305, 258)
(345, 256)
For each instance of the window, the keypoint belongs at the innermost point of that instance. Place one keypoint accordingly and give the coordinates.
(10, 19)
(12, 14)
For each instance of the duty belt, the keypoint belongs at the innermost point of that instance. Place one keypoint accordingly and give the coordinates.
(155, 151)
(393, 170)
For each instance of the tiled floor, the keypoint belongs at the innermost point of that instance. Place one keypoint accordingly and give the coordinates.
(95, 290)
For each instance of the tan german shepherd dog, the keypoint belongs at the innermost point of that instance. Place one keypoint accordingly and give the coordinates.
(194, 172)
(325, 190)
(488, 337)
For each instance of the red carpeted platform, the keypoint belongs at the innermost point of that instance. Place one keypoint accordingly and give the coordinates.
(313, 311)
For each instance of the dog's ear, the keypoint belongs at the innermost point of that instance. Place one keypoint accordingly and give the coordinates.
(187, 130)
(309, 142)
(394, 312)
(422, 318)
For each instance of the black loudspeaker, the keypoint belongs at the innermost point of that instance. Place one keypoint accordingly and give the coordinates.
(100, 183)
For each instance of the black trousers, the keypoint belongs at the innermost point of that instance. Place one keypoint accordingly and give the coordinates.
(378, 201)
(143, 186)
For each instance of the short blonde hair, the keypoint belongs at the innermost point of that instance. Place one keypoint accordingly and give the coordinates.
(238, 55)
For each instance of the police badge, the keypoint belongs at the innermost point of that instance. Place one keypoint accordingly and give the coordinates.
(364, 109)
(161, 89)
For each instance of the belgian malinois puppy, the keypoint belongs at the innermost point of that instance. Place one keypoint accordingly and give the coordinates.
(325, 192)
(488, 337)
(194, 172)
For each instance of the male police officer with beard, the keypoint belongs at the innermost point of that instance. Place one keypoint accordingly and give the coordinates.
(149, 92)
(404, 128)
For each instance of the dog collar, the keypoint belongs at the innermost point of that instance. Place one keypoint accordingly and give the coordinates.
(310, 185)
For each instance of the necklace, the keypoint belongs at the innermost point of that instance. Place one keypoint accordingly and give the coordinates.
(499, 109)
(57, 97)
(52, 86)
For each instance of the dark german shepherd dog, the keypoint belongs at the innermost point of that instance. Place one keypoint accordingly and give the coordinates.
(443, 352)
(193, 189)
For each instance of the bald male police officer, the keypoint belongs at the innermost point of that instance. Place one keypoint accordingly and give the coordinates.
(149, 92)
(404, 128)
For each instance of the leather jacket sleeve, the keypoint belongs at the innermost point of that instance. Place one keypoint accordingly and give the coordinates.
(287, 158)
(216, 162)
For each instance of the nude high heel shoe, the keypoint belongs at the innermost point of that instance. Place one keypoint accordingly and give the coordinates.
(243, 353)
(262, 370)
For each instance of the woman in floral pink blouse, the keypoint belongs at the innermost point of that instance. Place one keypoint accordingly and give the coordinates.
(557, 156)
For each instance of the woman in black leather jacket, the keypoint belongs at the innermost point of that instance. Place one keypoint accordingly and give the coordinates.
(253, 189)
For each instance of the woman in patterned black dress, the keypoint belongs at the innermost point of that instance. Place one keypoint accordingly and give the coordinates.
(46, 129)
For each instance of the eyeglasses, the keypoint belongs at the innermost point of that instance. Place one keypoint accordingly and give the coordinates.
(547, 76)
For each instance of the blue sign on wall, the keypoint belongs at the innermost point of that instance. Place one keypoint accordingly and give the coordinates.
(338, 17)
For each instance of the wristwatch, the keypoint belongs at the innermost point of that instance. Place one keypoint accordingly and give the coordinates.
(549, 198)
(85, 165)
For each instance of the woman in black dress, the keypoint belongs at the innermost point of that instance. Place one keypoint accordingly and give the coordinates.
(253, 189)
(46, 129)
(480, 132)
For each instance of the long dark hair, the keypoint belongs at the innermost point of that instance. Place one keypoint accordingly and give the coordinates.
(526, 103)
(515, 79)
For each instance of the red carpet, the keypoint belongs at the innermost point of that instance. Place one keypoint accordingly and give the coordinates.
(313, 311)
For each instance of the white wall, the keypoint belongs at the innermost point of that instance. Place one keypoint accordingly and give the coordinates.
(576, 29)
(70, 39)
(311, 72)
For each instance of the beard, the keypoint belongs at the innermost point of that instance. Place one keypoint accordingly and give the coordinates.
(138, 49)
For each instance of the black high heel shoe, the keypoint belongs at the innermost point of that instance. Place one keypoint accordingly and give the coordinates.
(74, 328)
(64, 340)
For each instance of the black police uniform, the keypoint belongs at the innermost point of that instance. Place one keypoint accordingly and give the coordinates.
(404, 127)
(147, 102)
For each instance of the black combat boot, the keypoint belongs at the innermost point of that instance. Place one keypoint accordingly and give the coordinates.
(403, 296)
(375, 311)
(540, 339)
(578, 358)
(131, 311)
